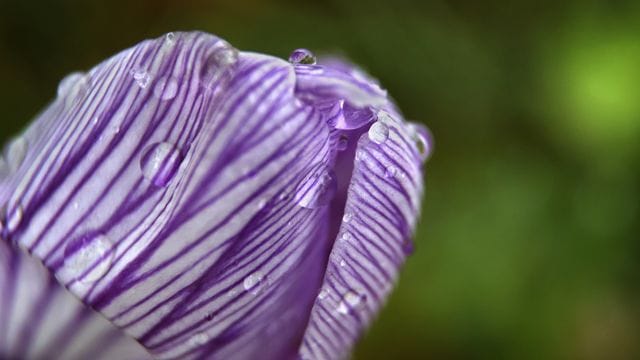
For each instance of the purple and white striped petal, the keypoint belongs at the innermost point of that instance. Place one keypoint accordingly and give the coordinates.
(39, 319)
(382, 207)
(193, 194)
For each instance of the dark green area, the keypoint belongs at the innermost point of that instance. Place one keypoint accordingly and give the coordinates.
(529, 243)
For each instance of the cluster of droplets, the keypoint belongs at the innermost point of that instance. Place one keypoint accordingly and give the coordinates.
(351, 301)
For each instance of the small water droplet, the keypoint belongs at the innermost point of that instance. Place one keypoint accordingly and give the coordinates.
(166, 88)
(350, 301)
(346, 236)
(11, 219)
(391, 171)
(73, 85)
(347, 217)
(199, 339)
(141, 76)
(254, 283)
(262, 204)
(208, 316)
(170, 37)
(284, 196)
(323, 294)
(160, 163)
(343, 263)
(317, 188)
(343, 143)
(219, 62)
(378, 132)
(302, 57)
(89, 258)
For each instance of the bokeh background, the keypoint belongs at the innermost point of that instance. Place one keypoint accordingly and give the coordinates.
(529, 243)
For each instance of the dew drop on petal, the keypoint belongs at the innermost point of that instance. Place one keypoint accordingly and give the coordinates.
(350, 301)
(199, 339)
(391, 171)
(343, 143)
(317, 188)
(88, 258)
(378, 132)
(170, 38)
(166, 88)
(346, 236)
(160, 163)
(141, 76)
(323, 294)
(219, 62)
(73, 85)
(302, 57)
(15, 153)
(347, 217)
(10, 219)
(254, 283)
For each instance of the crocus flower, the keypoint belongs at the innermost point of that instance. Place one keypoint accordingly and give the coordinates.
(184, 200)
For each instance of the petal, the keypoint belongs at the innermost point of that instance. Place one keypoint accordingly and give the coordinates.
(176, 189)
(40, 319)
(322, 83)
(382, 207)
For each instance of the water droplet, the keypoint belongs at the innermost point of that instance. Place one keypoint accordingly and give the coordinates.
(317, 188)
(199, 339)
(170, 37)
(346, 236)
(391, 171)
(343, 263)
(73, 85)
(379, 132)
(302, 57)
(350, 301)
(262, 204)
(360, 155)
(166, 88)
(343, 143)
(347, 217)
(141, 76)
(15, 153)
(254, 283)
(208, 316)
(160, 163)
(323, 294)
(11, 219)
(89, 258)
(219, 62)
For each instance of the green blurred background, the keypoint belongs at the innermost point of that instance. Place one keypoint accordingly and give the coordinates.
(528, 247)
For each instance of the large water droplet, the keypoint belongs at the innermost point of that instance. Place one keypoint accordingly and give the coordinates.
(350, 301)
(166, 88)
(219, 62)
(141, 76)
(379, 132)
(160, 163)
(89, 258)
(254, 283)
(302, 57)
(73, 85)
(317, 188)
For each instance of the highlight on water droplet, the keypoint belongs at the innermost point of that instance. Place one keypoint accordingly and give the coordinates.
(391, 171)
(88, 258)
(423, 140)
(302, 57)
(351, 301)
(166, 88)
(347, 217)
(378, 132)
(254, 283)
(323, 294)
(170, 38)
(199, 339)
(317, 188)
(160, 163)
(10, 219)
(141, 76)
